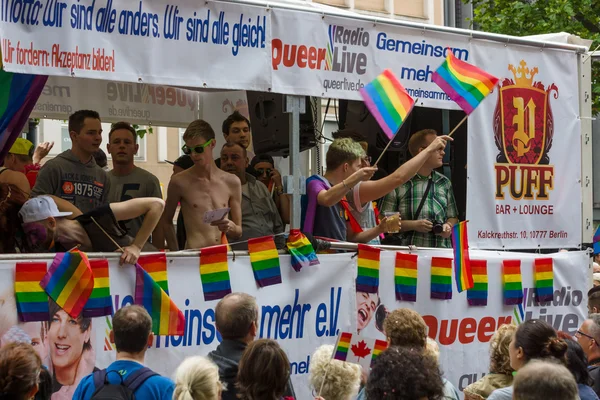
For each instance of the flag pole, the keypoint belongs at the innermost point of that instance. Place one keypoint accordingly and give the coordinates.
(390, 142)
(459, 124)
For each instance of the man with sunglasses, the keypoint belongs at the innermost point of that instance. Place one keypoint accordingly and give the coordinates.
(202, 188)
(264, 166)
(588, 336)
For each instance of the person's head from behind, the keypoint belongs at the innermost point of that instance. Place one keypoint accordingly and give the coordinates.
(234, 159)
(11, 200)
(543, 380)
(366, 307)
(499, 354)
(594, 300)
(588, 336)
(20, 369)
(236, 317)
(419, 142)
(263, 371)
(354, 135)
(264, 165)
(344, 156)
(85, 130)
(199, 139)
(122, 143)
(339, 380)
(197, 378)
(405, 327)
(19, 155)
(40, 217)
(132, 330)
(236, 129)
(181, 164)
(402, 373)
(577, 363)
(535, 339)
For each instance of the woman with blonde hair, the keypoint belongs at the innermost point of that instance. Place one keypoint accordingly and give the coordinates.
(334, 379)
(197, 378)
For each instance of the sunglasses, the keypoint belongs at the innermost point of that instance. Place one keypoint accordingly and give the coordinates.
(198, 149)
(262, 171)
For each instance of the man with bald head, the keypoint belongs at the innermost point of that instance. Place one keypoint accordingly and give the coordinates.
(542, 380)
(588, 336)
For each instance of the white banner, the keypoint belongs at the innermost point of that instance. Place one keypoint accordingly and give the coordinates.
(311, 307)
(524, 180)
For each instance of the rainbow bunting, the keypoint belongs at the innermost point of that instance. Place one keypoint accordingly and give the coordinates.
(69, 281)
(511, 280)
(214, 272)
(167, 319)
(464, 83)
(100, 302)
(265, 261)
(301, 250)
(388, 101)
(441, 278)
(358, 349)
(405, 277)
(478, 294)
(156, 266)
(367, 279)
(597, 241)
(32, 301)
(342, 347)
(544, 280)
(378, 348)
(462, 263)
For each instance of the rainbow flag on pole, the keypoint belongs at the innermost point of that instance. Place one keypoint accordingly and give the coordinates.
(464, 83)
(156, 266)
(462, 263)
(544, 280)
(441, 278)
(357, 349)
(367, 279)
(167, 319)
(478, 294)
(388, 101)
(100, 301)
(69, 281)
(405, 277)
(301, 250)
(32, 301)
(214, 272)
(265, 261)
(511, 280)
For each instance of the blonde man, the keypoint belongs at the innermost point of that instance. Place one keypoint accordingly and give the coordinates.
(197, 378)
(342, 379)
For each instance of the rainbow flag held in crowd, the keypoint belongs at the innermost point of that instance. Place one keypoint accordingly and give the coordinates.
(156, 266)
(544, 280)
(32, 300)
(167, 319)
(367, 279)
(357, 349)
(597, 241)
(464, 83)
(462, 263)
(511, 280)
(69, 281)
(441, 278)
(405, 277)
(301, 250)
(388, 101)
(478, 294)
(214, 272)
(265, 261)
(100, 301)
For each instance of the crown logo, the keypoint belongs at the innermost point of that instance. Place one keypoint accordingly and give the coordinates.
(523, 75)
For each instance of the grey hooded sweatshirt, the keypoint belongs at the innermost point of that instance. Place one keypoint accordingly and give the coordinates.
(84, 185)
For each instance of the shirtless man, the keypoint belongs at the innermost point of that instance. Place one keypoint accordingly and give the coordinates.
(201, 188)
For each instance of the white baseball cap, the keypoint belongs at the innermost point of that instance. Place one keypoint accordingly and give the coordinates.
(39, 208)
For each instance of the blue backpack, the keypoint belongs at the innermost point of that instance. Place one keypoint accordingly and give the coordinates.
(122, 391)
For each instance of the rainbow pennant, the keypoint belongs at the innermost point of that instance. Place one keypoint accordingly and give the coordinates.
(156, 266)
(388, 101)
(69, 281)
(405, 277)
(301, 250)
(367, 279)
(478, 294)
(265, 261)
(544, 280)
(464, 83)
(597, 241)
(380, 346)
(462, 263)
(167, 319)
(32, 301)
(214, 272)
(100, 301)
(441, 278)
(342, 347)
(511, 280)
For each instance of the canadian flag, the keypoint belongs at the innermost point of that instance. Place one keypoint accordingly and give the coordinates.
(354, 348)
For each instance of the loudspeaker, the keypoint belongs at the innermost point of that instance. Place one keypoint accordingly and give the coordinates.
(271, 125)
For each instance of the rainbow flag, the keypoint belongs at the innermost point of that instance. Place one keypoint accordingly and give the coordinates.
(69, 281)
(462, 263)
(544, 280)
(100, 302)
(478, 294)
(156, 266)
(597, 241)
(301, 250)
(265, 261)
(18, 95)
(32, 301)
(511, 280)
(167, 319)
(388, 101)
(441, 278)
(367, 279)
(378, 348)
(357, 349)
(342, 347)
(214, 272)
(464, 83)
(405, 277)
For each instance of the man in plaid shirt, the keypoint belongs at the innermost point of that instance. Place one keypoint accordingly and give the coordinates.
(439, 206)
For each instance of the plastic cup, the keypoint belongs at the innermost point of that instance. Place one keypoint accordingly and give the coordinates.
(392, 223)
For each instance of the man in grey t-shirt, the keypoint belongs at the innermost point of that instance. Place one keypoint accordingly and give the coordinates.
(126, 180)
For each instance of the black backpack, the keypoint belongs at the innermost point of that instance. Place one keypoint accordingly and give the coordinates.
(122, 391)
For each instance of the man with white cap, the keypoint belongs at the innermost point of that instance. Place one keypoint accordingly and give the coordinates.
(48, 229)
